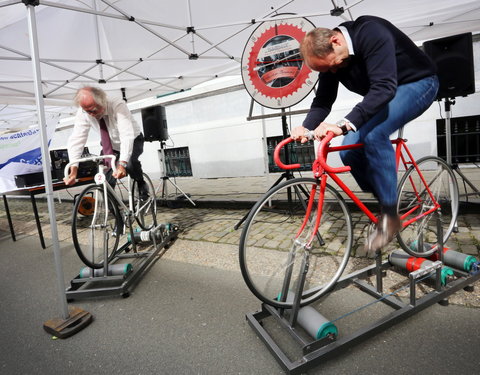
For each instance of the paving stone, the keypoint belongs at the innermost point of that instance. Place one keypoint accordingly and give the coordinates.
(216, 225)
(470, 249)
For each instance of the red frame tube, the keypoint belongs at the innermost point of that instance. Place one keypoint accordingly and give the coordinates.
(325, 170)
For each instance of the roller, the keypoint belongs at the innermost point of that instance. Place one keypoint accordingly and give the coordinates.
(314, 323)
(113, 270)
(453, 258)
(401, 259)
(144, 237)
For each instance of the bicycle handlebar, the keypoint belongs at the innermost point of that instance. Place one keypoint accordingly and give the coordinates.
(276, 155)
(321, 155)
(91, 158)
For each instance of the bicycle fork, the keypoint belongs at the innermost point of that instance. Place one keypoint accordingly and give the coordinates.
(307, 219)
(297, 243)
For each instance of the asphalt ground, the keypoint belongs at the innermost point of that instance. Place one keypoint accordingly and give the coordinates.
(187, 314)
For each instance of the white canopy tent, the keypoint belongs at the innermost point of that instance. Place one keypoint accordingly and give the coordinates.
(143, 48)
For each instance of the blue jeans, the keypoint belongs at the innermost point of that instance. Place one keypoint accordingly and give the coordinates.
(373, 166)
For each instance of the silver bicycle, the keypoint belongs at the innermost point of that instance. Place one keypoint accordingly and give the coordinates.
(100, 217)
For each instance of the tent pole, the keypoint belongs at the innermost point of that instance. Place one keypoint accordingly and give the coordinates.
(32, 30)
(73, 319)
(97, 39)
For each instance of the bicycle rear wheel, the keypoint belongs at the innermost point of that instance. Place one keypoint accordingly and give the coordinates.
(420, 237)
(271, 254)
(95, 224)
(144, 208)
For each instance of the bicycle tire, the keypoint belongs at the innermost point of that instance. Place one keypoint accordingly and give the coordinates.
(413, 198)
(267, 243)
(145, 211)
(88, 231)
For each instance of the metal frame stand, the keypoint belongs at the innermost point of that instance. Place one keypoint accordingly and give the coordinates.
(121, 285)
(313, 352)
(166, 179)
(448, 144)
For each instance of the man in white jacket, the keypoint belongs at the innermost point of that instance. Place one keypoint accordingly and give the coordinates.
(111, 117)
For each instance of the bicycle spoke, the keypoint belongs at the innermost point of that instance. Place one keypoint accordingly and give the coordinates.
(95, 227)
(273, 248)
(145, 210)
(418, 203)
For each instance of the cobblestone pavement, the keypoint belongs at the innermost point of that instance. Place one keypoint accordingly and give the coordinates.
(213, 225)
(216, 226)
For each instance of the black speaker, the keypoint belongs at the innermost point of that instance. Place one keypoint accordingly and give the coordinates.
(453, 56)
(154, 123)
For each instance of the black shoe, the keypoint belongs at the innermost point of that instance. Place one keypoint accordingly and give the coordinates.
(118, 229)
(143, 191)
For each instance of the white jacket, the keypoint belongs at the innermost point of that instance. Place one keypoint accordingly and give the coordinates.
(122, 128)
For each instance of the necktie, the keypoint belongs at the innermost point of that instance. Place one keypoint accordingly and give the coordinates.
(106, 142)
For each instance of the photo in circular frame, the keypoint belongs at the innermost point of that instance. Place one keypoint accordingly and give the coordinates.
(273, 72)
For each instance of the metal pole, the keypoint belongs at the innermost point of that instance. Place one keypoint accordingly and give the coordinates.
(448, 132)
(97, 39)
(32, 31)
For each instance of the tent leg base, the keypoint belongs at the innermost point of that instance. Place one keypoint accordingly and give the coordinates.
(77, 320)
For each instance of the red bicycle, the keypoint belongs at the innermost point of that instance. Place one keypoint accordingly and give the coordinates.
(304, 225)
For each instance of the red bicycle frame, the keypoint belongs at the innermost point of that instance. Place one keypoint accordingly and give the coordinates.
(321, 170)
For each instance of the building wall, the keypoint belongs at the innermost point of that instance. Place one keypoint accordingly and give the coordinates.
(211, 121)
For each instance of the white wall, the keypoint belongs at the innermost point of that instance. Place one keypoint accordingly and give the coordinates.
(222, 143)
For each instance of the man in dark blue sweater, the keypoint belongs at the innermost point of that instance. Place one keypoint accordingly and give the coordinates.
(373, 58)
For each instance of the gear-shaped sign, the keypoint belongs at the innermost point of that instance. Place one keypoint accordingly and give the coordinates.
(272, 70)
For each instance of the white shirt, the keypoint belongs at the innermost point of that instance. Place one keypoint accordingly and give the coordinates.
(122, 128)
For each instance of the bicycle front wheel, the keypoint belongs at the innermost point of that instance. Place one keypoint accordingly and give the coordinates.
(144, 206)
(415, 199)
(273, 254)
(96, 226)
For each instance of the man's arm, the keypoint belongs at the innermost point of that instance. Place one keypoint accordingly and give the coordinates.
(325, 96)
(126, 130)
(72, 177)
(377, 46)
(76, 144)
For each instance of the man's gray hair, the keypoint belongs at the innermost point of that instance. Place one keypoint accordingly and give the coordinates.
(317, 42)
(99, 96)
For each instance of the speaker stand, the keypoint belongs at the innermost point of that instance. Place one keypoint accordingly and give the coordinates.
(165, 179)
(448, 144)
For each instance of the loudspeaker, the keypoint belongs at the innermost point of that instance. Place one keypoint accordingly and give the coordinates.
(154, 123)
(453, 56)
(29, 179)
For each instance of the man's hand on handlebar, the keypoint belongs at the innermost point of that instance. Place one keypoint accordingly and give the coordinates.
(72, 177)
(321, 131)
(303, 134)
(121, 172)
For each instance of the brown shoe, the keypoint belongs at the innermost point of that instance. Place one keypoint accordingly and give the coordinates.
(387, 228)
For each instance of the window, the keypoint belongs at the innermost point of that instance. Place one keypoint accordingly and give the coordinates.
(297, 152)
(177, 161)
(465, 139)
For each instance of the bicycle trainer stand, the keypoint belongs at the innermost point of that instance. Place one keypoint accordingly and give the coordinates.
(125, 269)
(317, 338)
(165, 179)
